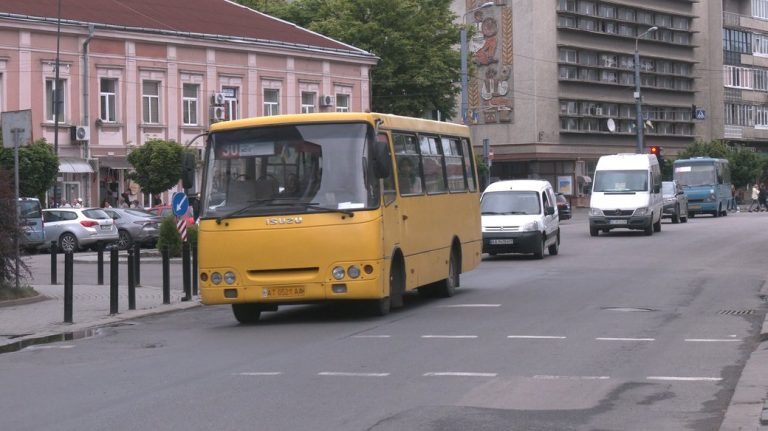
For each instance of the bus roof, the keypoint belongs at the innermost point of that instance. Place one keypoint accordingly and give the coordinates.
(386, 121)
(699, 160)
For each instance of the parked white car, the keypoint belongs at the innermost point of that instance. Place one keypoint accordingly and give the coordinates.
(78, 228)
(520, 216)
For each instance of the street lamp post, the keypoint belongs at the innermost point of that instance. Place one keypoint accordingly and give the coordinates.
(464, 54)
(638, 98)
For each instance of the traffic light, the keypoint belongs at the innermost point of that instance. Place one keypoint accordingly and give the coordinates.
(656, 151)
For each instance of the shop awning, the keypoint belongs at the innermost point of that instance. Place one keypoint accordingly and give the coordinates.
(114, 163)
(69, 165)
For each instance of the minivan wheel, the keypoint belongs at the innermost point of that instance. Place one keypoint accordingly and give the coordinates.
(539, 252)
(676, 215)
(657, 226)
(555, 248)
(593, 231)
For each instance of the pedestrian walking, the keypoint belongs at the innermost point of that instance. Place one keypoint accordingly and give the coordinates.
(732, 205)
(762, 196)
(755, 204)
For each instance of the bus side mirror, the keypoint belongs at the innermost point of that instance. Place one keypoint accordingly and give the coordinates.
(188, 170)
(549, 210)
(382, 161)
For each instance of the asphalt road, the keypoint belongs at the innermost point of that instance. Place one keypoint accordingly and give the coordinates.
(618, 332)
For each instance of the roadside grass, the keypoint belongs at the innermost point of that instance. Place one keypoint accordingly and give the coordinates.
(9, 293)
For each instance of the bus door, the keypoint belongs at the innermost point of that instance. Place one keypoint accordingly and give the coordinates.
(391, 212)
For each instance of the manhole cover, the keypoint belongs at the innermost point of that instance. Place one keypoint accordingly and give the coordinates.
(736, 312)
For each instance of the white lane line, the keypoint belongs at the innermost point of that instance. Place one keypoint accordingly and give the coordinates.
(548, 377)
(449, 336)
(343, 374)
(459, 374)
(624, 339)
(470, 306)
(63, 346)
(538, 337)
(260, 373)
(685, 379)
(371, 336)
(712, 340)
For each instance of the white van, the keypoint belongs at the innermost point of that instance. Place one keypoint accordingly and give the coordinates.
(626, 194)
(520, 216)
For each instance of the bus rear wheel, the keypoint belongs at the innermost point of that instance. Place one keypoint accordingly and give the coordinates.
(246, 313)
(447, 288)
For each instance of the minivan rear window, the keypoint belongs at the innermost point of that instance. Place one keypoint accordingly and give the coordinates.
(30, 209)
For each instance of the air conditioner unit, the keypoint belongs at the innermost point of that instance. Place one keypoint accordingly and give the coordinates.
(81, 133)
(218, 113)
(326, 100)
(218, 99)
(598, 111)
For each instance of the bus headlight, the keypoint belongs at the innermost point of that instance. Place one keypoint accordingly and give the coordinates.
(216, 278)
(353, 271)
(229, 277)
(338, 273)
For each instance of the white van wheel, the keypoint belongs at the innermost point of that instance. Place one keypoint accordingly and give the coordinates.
(555, 248)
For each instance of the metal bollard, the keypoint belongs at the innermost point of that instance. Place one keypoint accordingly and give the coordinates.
(68, 287)
(186, 271)
(131, 281)
(54, 250)
(137, 262)
(113, 280)
(166, 276)
(100, 264)
(194, 269)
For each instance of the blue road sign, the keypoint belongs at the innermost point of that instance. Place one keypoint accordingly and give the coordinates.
(701, 114)
(180, 203)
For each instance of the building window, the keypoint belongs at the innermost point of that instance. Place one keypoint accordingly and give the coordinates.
(568, 72)
(760, 9)
(567, 5)
(342, 102)
(50, 104)
(271, 101)
(231, 102)
(189, 104)
(308, 102)
(108, 100)
(760, 45)
(586, 7)
(566, 21)
(150, 102)
(567, 55)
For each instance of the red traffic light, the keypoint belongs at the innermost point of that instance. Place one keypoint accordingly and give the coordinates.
(655, 150)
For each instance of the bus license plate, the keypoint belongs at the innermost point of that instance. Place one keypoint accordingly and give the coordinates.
(617, 222)
(283, 292)
(694, 207)
(501, 241)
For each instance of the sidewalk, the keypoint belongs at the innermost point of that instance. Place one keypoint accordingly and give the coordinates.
(41, 319)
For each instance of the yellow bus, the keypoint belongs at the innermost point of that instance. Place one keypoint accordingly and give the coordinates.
(308, 208)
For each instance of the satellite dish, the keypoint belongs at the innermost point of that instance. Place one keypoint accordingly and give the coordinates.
(611, 125)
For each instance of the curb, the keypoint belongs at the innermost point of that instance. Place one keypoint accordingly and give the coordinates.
(23, 301)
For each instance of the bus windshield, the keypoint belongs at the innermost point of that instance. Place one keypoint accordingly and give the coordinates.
(621, 181)
(695, 175)
(289, 169)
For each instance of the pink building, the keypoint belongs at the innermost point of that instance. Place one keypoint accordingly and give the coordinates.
(136, 70)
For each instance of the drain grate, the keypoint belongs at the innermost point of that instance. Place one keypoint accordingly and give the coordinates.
(736, 312)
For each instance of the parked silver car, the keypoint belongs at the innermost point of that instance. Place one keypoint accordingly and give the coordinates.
(135, 226)
(77, 228)
(675, 201)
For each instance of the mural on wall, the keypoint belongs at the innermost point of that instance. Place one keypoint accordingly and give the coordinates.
(490, 87)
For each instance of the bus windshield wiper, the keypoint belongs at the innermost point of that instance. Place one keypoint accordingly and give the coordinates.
(249, 205)
(315, 206)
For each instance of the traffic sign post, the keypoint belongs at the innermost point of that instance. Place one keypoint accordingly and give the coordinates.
(180, 204)
(181, 226)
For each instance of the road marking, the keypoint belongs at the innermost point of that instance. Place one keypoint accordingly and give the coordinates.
(63, 346)
(459, 374)
(542, 337)
(470, 306)
(371, 336)
(548, 377)
(343, 374)
(260, 373)
(685, 379)
(624, 339)
(449, 336)
(712, 340)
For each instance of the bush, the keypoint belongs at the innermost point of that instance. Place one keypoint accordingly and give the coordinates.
(10, 232)
(169, 237)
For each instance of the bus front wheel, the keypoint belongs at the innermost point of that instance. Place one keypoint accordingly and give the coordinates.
(246, 313)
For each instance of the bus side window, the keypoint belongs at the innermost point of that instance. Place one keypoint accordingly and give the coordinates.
(389, 182)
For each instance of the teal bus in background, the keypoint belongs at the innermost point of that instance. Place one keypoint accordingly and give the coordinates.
(706, 182)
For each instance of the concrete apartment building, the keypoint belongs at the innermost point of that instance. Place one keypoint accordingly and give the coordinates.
(553, 86)
(136, 70)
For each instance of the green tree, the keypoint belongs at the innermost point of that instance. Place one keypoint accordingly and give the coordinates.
(746, 166)
(38, 167)
(157, 165)
(414, 39)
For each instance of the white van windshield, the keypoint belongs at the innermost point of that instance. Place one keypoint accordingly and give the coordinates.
(511, 202)
(621, 181)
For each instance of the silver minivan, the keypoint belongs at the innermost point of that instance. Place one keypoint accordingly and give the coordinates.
(31, 219)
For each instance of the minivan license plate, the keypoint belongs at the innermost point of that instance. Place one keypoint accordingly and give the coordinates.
(501, 241)
(617, 221)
